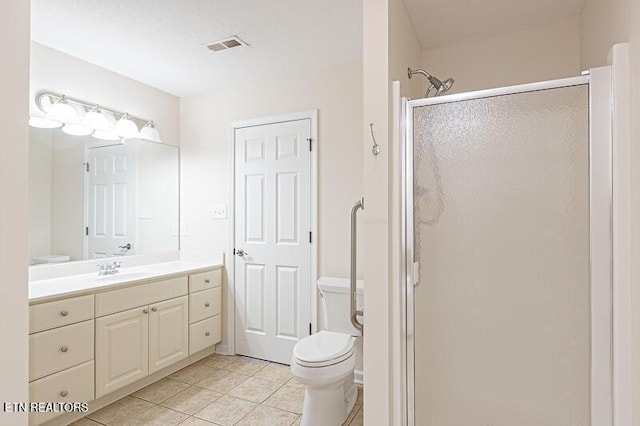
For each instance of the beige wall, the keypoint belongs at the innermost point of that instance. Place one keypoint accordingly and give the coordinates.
(526, 56)
(390, 45)
(57, 72)
(602, 24)
(14, 148)
(205, 119)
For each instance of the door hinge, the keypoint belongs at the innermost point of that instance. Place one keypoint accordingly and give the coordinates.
(86, 167)
(86, 230)
(310, 143)
(309, 329)
(416, 273)
(310, 237)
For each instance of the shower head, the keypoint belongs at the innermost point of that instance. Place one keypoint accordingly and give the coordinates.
(435, 83)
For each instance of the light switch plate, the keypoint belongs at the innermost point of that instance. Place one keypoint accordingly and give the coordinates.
(220, 211)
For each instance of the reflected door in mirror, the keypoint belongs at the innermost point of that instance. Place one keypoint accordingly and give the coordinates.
(111, 201)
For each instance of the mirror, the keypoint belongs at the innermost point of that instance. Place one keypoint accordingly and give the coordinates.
(91, 199)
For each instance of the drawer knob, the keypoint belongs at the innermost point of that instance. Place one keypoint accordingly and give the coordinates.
(64, 313)
(207, 281)
(64, 394)
(145, 311)
(207, 334)
(154, 309)
(206, 305)
(64, 349)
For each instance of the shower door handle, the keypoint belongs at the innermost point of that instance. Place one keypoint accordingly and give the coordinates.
(354, 260)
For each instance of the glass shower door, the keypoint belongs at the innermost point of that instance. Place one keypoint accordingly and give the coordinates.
(501, 233)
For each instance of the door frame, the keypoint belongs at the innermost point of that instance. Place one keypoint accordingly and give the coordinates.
(230, 260)
(601, 236)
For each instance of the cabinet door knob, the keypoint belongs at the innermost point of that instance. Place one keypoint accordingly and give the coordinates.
(154, 309)
(207, 334)
(207, 281)
(145, 311)
(64, 394)
(206, 305)
(64, 349)
(64, 313)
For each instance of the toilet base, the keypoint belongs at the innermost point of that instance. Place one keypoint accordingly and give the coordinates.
(329, 405)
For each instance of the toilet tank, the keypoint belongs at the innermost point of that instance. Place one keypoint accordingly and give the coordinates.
(335, 304)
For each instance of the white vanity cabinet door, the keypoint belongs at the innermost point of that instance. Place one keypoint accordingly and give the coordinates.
(168, 333)
(122, 349)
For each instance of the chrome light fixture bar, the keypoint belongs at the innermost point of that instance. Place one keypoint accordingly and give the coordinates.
(92, 117)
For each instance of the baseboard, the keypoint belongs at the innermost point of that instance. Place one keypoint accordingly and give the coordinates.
(222, 349)
(358, 377)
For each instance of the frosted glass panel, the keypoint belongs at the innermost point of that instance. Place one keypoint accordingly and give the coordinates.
(502, 320)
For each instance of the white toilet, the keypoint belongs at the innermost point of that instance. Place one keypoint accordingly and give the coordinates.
(325, 361)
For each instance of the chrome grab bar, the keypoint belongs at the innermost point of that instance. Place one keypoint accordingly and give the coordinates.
(354, 259)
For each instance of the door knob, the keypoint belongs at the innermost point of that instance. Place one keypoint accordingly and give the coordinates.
(126, 246)
(241, 252)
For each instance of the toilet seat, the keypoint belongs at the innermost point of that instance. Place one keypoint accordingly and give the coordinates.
(323, 349)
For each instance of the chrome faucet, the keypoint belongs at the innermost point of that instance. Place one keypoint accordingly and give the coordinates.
(109, 268)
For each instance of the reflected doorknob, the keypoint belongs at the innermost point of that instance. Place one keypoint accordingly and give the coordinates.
(126, 246)
(241, 252)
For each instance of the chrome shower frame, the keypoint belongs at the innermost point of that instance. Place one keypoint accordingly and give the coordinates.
(600, 208)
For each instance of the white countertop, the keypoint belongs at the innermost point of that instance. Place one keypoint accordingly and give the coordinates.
(42, 290)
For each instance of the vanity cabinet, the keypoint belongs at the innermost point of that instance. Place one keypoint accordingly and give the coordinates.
(122, 349)
(205, 308)
(135, 343)
(61, 353)
(83, 348)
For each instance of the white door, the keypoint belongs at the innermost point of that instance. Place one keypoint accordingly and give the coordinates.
(122, 349)
(272, 238)
(110, 230)
(168, 333)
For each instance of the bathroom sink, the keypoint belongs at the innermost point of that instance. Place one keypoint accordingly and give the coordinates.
(125, 276)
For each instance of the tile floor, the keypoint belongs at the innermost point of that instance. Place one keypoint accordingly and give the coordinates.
(218, 390)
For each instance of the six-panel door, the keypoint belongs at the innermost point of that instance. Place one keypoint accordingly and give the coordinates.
(168, 333)
(122, 349)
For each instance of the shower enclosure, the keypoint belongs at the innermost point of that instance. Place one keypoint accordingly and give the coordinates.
(507, 230)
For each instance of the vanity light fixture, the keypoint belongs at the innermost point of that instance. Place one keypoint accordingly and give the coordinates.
(77, 130)
(126, 128)
(61, 111)
(150, 133)
(94, 119)
(83, 118)
(44, 123)
(105, 135)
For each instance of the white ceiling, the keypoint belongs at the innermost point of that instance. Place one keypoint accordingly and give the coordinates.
(161, 42)
(443, 22)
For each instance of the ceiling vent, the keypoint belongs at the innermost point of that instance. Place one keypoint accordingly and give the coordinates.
(226, 44)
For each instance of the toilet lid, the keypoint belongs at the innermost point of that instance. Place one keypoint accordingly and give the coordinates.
(323, 346)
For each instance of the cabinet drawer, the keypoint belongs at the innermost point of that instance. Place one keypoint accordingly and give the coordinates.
(204, 304)
(72, 385)
(205, 280)
(62, 312)
(144, 294)
(204, 334)
(54, 350)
